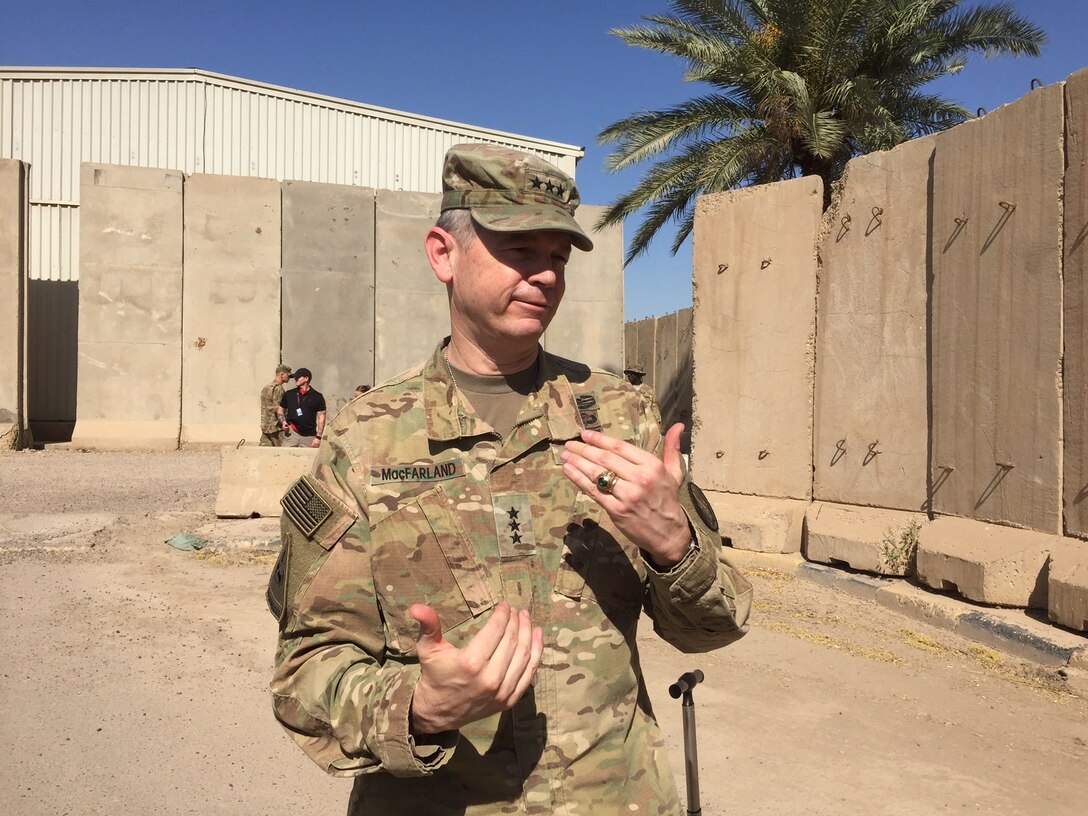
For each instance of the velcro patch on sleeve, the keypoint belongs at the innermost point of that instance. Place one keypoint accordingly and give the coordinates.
(306, 508)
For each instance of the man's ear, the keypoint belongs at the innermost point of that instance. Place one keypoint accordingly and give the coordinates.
(440, 247)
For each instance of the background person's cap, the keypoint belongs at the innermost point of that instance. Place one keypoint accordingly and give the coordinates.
(635, 369)
(510, 191)
(302, 372)
(282, 369)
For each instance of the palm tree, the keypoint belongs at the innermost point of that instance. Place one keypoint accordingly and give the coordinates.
(799, 87)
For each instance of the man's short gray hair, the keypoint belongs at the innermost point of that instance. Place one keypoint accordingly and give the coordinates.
(459, 224)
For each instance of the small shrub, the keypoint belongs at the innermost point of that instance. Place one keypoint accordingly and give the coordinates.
(899, 547)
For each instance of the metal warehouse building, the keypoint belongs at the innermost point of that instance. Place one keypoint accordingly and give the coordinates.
(197, 122)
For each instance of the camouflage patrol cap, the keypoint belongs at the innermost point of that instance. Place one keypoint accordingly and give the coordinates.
(510, 191)
(282, 369)
(635, 368)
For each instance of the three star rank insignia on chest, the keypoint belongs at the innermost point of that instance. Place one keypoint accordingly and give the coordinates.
(514, 525)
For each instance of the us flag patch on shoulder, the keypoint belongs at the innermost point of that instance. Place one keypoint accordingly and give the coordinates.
(305, 507)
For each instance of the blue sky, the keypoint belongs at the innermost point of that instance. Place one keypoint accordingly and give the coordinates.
(547, 69)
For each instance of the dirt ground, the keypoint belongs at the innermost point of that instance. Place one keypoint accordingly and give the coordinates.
(135, 677)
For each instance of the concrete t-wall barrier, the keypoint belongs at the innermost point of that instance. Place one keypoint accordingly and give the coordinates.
(646, 355)
(410, 305)
(662, 347)
(997, 315)
(589, 324)
(231, 303)
(129, 376)
(754, 323)
(328, 286)
(871, 425)
(13, 259)
(1075, 273)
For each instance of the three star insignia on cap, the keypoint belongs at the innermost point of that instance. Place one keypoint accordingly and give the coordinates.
(547, 185)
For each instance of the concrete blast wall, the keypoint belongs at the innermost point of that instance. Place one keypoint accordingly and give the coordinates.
(754, 325)
(1075, 269)
(410, 307)
(997, 315)
(129, 388)
(871, 427)
(13, 257)
(192, 287)
(661, 346)
(589, 324)
(328, 286)
(231, 303)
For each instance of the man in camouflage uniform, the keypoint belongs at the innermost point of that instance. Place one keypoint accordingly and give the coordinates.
(462, 580)
(271, 394)
(635, 375)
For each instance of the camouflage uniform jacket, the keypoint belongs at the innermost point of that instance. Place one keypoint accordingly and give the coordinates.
(414, 499)
(649, 398)
(271, 395)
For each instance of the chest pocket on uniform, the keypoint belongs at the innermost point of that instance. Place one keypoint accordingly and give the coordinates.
(422, 555)
(600, 565)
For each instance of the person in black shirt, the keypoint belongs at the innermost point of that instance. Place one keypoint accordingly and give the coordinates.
(302, 413)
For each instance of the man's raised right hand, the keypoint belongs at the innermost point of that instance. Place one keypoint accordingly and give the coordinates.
(489, 675)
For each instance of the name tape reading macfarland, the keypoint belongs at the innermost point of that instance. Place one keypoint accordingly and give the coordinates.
(417, 472)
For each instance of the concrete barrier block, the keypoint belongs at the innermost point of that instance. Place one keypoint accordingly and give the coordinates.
(996, 316)
(13, 261)
(1075, 304)
(759, 523)
(646, 357)
(589, 324)
(252, 479)
(231, 306)
(130, 299)
(988, 563)
(862, 538)
(411, 313)
(754, 337)
(1068, 585)
(328, 286)
(871, 427)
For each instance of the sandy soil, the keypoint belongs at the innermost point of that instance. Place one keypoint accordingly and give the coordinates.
(135, 677)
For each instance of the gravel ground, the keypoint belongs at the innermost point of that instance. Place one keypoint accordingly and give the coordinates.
(135, 677)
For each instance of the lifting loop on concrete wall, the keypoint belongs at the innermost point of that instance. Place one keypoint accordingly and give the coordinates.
(763, 454)
(875, 221)
(1033, 86)
(840, 452)
(241, 442)
(765, 263)
(980, 112)
(1007, 206)
(872, 454)
(719, 454)
(722, 268)
(844, 227)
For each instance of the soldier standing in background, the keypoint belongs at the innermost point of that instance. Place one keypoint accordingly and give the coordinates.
(464, 570)
(635, 375)
(271, 394)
